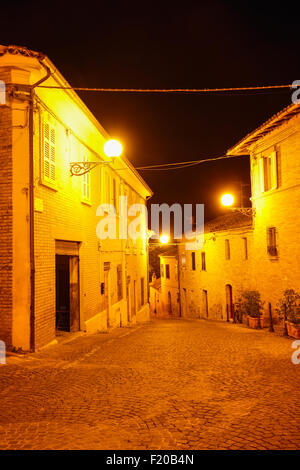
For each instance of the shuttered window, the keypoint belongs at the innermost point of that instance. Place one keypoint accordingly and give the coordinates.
(167, 271)
(86, 183)
(49, 152)
(227, 249)
(193, 254)
(272, 241)
(203, 261)
(268, 172)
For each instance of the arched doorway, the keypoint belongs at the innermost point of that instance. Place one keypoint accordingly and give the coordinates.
(169, 303)
(229, 304)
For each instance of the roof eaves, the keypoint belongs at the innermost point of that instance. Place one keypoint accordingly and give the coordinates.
(242, 147)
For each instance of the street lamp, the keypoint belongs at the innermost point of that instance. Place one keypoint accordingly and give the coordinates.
(164, 239)
(227, 199)
(112, 149)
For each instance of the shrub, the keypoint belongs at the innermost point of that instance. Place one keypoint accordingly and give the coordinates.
(250, 303)
(290, 299)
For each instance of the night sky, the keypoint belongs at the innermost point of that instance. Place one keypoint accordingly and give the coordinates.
(170, 45)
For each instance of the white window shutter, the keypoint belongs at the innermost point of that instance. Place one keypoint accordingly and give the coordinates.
(52, 154)
(86, 182)
(274, 176)
(49, 152)
(46, 152)
(261, 175)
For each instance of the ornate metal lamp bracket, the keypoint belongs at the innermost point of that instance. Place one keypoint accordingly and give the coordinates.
(81, 168)
(244, 210)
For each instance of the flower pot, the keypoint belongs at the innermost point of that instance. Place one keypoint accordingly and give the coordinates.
(293, 330)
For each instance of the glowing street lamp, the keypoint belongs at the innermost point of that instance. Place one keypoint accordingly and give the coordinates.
(113, 148)
(164, 239)
(227, 199)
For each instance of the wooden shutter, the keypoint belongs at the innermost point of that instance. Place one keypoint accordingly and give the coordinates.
(274, 176)
(86, 193)
(261, 172)
(49, 152)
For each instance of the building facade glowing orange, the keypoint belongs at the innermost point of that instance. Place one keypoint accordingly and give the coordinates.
(55, 274)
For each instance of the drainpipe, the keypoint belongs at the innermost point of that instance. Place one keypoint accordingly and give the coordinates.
(31, 208)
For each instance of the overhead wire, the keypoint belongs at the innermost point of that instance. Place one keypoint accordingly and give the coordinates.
(170, 90)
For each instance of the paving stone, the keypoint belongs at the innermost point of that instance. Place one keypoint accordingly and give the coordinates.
(168, 384)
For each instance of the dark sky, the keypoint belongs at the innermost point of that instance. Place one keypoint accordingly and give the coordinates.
(170, 45)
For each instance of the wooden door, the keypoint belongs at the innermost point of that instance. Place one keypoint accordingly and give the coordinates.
(74, 293)
(106, 294)
(205, 303)
(229, 304)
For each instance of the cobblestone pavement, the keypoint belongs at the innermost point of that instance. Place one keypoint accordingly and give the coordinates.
(168, 384)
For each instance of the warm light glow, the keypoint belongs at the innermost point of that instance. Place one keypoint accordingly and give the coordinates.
(113, 148)
(227, 199)
(164, 239)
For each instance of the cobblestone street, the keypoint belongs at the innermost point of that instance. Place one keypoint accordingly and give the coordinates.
(168, 384)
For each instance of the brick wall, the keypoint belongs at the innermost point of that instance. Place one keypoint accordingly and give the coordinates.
(6, 217)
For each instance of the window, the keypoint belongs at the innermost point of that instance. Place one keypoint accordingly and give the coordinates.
(107, 187)
(203, 261)
(49, 152)
(86, 186)
(162, 270)
(268, 172)
(245, 248)
(114, 195)
(142, 291)
(119, 282)
(167, 271)
(227, 249)
(193, 261)
(183, 260)
(271, 241)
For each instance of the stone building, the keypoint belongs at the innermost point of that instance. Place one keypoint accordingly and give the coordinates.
(164, 292)
(258, 251)
(274, 150)
(212, 278)
(55, 273)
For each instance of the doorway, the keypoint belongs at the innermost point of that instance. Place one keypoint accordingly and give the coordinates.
(128, 298)
(67, 292)
(205, 302)
(107, 291)
(229, 303)
(133, 303)
(184, 303)
(169, 303)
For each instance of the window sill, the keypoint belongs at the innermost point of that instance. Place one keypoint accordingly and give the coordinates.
(48, 184)
(86, 202)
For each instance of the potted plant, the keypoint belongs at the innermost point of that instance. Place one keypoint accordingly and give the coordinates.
(289, 310)
(252, 306)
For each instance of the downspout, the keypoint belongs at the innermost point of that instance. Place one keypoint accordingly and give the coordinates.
(31, 208)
